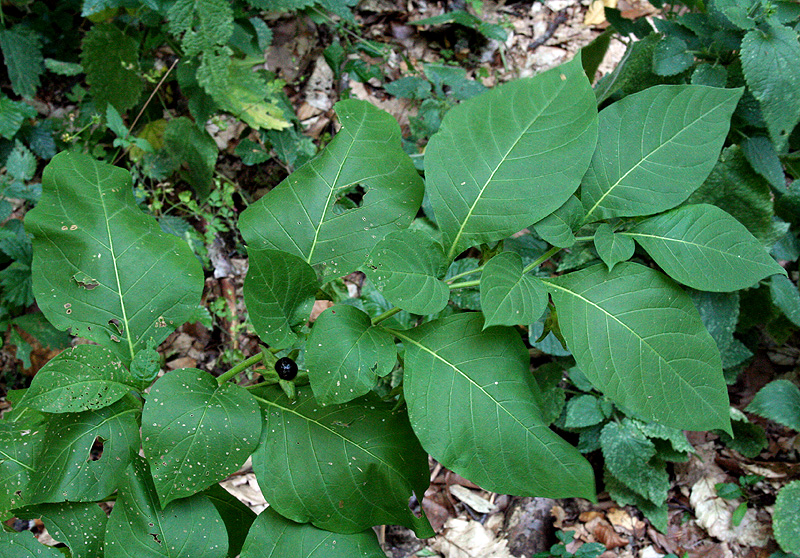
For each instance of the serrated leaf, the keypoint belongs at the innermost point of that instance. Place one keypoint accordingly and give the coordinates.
(786, 520)
(703, 247)
(25, 545)
(139, 528)
(583, 411)
(748, 438)
(491, 431)
(12, 115)
(279, 293)
(627, 453)
(274, 535)
(786, 297)
(634, 327)
(720, 314)
(558, 227)
(676, 438)
(779, 400)
(298, 215)
(191, 146)
(771, 65)
(81, 526)
(671, 56)
(237, 517)
(508, 296)
(22, 54)
(624, 496)
(84, 378)
(63, 68)
(655, 148)
(111, 61)
(511, 156)
(88, 224)
(710, 75)
(196, 432)
(346, 354)
(612, 247)
(407, 267)
(21, 163)
(17, 284)
(65, 470)
(761, 155)
(204, 25)
(357, 464)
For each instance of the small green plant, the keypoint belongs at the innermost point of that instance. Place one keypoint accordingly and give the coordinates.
(737, 491)
(587, 550)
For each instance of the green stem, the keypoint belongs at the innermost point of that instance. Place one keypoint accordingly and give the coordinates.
(245, 364)
(541, 259)
(386, 315)
(465, 284)
(465, 274)
(584, 238)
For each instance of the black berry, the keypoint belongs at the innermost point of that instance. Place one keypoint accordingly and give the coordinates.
(286, 368)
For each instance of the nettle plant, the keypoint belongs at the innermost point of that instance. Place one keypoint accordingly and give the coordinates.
(332, 457)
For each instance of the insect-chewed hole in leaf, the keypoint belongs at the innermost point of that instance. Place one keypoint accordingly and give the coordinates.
(349, 198)
(97, 449)
(116, 324)
(85, 281)
(155, 537)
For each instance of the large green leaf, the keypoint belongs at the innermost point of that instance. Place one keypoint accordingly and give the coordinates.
(65, 470)
(22, 54)
(639, 339)
(705, 248)
(279, 293)
(196, 432)
(19, 444)
(779, 400)
(111, 61)
(139, 528)
(346, 354)
(511, 156)
(237, 517)
(274, 536)
(407, 267)
(476, 409)
(101, 266)
(25, 545)
(343, 468)
(508, 296)
(82, 527)
(786, 520)
(655, 148)
(306, 214)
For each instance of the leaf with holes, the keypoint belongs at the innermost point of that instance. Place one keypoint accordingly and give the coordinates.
(307, 215)
(81, 526)
(509, 296)
(101, 266)
(639, 339)
(196, 432)
(612, 247)
(511, 156)
(476, 409)
(343, 468)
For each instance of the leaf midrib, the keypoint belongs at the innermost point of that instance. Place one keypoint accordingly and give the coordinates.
(700, 247)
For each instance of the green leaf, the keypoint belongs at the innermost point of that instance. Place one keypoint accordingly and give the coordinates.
(728, 490)
(491, 429)
(25, 545)
(676, 438)
(82, 527)
(771, 64)
(583, 411)
(670, 56)
(633, 73)
(627, 453)
(558, 228)
(710, 75)
(204, 25)
(655, 148)
(111, 61)
(409, 87)
(786, 297)
(511, 156)
(763, 158)
(103, 268)
(748, 438)
(62, 68)
(192, 147)
(638, 338)
(274, 535)
(279, 293)
(508, 296)
(139, 528)
(301, 216)
(196, 432)
(779, 400)
(12, 115)
(343, 468)
(237, 517)
(145, 366)
(612, 247)
(84, 378)
(20, 442)
(65, 470)
(346, 354)
(720, 314)
(407, 267)
(705, 248)
(22, 54)
(786, 520)
(623, 496)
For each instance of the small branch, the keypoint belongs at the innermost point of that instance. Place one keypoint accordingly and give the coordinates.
(560, 18)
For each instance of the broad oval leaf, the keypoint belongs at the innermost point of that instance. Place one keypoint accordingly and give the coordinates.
(83, 378)
(19, 445)
(639, 339)
(343, 468)
(196, 432)
(655, 148)
(139, 528)
(25, 545)
(274, 535)
(346, 354)
(279, 293)
(301, 215)
(82, 527)
(475, 407)
(511, 156)
(779, 400)
(407, 267)
(705, 248)
(101, 266)
(508, 296)
(612, 247)
(559, 227)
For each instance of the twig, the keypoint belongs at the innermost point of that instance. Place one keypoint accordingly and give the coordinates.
(560, 18)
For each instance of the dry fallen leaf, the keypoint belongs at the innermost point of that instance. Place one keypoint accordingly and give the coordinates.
(467, 496)
(714, 515)
(596, 14)
(469, 539)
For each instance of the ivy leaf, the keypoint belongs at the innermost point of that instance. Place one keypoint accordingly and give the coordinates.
(786, 520)
(301, 215)
(139, 528)
(82, 527)
(357, 464)
(103, 268)
(655, 148)
(25, 545)
(634, 327)
(508, 296)
(346, 354)
(612, 247)
(196, 432)
(274, 535)
(279, 293)
(22, 54)
(627, 453)
(779, 400)
(511, 156)
(237, 517)
(491, 429)
(195, 149)
(111, 61)
(407, 267)
(558, 228)
(705, 248)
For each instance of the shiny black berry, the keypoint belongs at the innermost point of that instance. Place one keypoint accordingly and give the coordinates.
(286, 368)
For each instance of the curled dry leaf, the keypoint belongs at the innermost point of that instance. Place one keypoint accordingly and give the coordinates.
(714, 515)
(469, 539)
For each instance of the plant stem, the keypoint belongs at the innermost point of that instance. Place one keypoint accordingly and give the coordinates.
(386, 315)
(258, 357)
(541, 259)
(584, 238)
(464, 284)
(465, 274)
